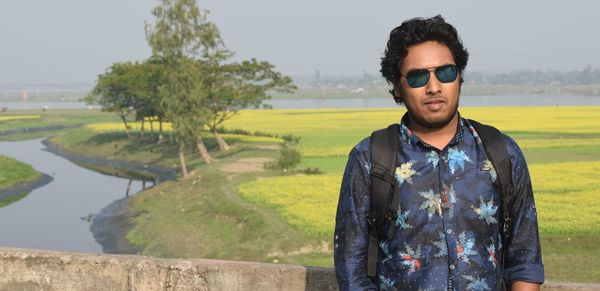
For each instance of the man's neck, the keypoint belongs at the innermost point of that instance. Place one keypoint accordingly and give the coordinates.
(437, 137)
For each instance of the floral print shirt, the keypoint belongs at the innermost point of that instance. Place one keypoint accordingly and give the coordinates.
(448, 232)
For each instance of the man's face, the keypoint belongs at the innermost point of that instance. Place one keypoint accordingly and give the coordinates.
(435, 104)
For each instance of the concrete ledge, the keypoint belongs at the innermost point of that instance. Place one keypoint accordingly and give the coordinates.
(24, 269)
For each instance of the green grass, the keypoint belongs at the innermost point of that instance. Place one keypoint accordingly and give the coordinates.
(13, 172)
(205, 217)
(326, 164)
(201, 216)
(574, 258)
(62, 117)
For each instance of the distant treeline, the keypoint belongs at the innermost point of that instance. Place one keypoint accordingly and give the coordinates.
(586, 76)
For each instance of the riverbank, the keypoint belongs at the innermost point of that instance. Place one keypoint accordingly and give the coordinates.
(202, 216)
(156, 172)
(17, 179)
(20, 190)
(111, 225)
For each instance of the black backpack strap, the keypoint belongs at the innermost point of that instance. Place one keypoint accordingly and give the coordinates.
(495, 148)
(383, 148)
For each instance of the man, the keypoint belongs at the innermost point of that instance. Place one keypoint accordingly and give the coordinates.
(448, 228)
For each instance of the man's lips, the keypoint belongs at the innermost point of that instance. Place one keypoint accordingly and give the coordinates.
(435, 104)
(434, 101)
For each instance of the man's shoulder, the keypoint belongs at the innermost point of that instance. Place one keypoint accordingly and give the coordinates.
(514, 151)
(512, 148)
(363, 147)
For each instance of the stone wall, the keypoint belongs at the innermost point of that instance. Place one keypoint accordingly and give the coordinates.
(24, 269)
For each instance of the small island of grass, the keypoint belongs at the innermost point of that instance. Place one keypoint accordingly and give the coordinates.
(14, 173)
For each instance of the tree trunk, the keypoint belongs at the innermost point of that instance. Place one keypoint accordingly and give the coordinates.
(142, 127)
(151, 125)
(126, 125)
(220, 141)
(203, 151)
(160, 130)
(182, 159)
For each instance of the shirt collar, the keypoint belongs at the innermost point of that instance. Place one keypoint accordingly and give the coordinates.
(407, 136)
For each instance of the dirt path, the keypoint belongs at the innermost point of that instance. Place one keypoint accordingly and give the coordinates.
(283, 235)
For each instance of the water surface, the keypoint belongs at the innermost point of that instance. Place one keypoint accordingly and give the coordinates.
(56, 216)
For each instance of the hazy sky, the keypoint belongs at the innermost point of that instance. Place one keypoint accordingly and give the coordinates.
(72, 41)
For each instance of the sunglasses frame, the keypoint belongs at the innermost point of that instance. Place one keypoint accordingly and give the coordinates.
(428, 71)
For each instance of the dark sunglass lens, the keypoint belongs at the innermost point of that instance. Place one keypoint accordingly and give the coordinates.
(447, 73)
(417, 78)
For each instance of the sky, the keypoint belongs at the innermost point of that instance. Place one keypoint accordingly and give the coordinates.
(72, 41)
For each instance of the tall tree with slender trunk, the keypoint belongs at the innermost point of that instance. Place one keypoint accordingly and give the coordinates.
(180, 34)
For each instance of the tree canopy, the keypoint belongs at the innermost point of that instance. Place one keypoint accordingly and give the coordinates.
(189, 80)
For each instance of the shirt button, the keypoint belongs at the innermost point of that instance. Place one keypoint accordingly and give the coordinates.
(449, 231)
(452, 267)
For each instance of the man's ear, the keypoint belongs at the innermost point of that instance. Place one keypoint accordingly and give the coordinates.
(398, 93)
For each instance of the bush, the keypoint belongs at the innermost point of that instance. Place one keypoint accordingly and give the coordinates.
(290, 157)
(290, 138)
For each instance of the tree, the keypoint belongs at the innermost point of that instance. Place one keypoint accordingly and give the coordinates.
(235, 86)
(151, 76)
(180, 33)
(115, 91)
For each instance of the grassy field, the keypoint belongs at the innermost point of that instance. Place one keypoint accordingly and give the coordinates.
(22, 124)
(260, 215)
(561, 144)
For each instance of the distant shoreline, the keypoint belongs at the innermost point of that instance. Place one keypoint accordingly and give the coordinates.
(363, 101)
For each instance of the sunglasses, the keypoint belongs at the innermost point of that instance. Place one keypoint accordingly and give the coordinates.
(419, 77)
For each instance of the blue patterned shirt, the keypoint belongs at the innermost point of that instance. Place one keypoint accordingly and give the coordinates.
(448, 235)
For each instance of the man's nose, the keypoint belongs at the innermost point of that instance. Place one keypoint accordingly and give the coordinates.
(434, 85)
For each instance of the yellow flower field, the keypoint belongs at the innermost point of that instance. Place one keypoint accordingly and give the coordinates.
(567, 198)
(17, 117)
(117, 126)
(333, 132)
(566, 193)
(306, 202)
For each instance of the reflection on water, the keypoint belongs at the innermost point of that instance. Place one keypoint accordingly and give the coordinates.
(57, 216)
(152, 182)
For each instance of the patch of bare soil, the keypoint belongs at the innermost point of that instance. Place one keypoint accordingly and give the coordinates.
(246, 165)
(268, 146)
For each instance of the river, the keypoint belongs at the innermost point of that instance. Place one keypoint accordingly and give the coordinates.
(57, 216)
(294, 103)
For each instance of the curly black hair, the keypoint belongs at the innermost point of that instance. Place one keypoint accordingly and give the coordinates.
(416, 31)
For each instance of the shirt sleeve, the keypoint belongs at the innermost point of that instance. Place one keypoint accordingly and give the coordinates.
(351, 228)
(523, 261)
